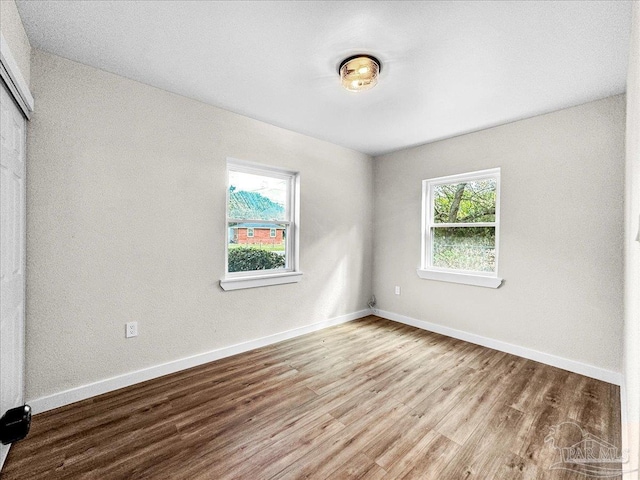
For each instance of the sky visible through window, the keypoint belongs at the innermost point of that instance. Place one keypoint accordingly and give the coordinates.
(275, 189)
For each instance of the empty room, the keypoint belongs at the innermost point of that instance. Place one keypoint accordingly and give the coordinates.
(320, 239)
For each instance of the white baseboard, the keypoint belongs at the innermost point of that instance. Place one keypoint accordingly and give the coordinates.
(49, 402)
(546, 358)
(42, 404)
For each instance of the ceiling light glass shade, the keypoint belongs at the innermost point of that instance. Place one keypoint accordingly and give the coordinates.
(359, 72)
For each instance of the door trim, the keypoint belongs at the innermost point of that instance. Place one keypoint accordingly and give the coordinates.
(14, 80)
(13, 305)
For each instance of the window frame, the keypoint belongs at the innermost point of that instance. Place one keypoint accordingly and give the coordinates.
(258, 278)
(250, 231)
(273, 233)
(469, 277)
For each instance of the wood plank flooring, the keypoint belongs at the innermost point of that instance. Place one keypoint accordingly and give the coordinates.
(370, 399)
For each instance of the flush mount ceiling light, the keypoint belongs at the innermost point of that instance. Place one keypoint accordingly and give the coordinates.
(359, 72)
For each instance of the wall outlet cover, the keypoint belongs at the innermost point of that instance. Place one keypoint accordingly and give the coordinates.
(131, 329)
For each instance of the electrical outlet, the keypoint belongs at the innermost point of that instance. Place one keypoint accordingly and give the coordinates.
(131, 329)
(397, 290)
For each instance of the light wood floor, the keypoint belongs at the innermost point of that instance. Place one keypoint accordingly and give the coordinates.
(367, 399)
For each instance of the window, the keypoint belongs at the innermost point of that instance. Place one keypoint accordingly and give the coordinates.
(461, 223)
(262, 226)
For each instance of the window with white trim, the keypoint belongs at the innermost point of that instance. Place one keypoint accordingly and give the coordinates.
(461, 227)
(260, 199)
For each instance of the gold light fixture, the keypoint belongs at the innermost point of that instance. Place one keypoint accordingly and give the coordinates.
(359, 72)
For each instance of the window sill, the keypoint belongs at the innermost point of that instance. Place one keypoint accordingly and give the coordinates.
(464, 278)
(253, 281)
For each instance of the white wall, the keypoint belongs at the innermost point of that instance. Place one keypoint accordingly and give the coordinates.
(13, 32)
(561, 234)
(631, 430)
(126, 221)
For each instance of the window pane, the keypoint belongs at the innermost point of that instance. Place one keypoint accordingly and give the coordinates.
(465, 248)
(468, 202)
(257, 197)
(262, 251)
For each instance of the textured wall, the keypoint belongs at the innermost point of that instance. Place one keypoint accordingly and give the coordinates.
(126, 221)
(561, 233)
(632, 254)
(13, 32)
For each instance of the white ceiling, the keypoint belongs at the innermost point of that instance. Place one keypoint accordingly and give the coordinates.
(448, 67)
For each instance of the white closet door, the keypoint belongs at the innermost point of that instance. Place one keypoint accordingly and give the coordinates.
(12, 256)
